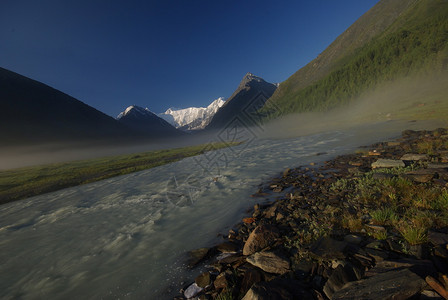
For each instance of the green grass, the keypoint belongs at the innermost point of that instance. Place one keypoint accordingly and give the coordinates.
(26, 182)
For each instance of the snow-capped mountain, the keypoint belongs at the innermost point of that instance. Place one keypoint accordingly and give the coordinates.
(192, 118)
(143, 120)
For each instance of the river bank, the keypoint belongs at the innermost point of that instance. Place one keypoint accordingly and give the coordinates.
(367, 225)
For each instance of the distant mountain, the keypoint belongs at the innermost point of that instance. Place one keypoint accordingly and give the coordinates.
(36, 113)
(146, 122)
(242, 106)
(394, 39)
(192, 118)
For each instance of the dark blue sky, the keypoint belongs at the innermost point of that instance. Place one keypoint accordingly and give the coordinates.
(167, 53)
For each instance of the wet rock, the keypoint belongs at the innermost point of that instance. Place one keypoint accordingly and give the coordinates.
(328, 248)
(198, 255)
(192, 291)
(414, 157)
(269, 262)
(261, 237)
(203, 280)
(228, 247)
(388, 163)
(401, 284)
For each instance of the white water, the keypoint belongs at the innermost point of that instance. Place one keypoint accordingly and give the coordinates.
(127, 237)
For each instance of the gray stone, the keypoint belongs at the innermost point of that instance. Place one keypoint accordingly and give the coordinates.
(261, 237)
(192, 291)
(414, 157)
(437, 238)
(388, 163)
(401, 284)
(437, 166)
(227, 247)
(328, 248)
(269, 262)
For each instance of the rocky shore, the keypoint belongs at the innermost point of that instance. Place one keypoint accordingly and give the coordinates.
(367, 225)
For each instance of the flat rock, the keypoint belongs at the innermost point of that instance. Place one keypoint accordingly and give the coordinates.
(414, 157)
(437, 166)
(388, 163)
(401, 284)
(269, 262)
(328, 248)
(261, 237)
(437, 238)
(340, 276)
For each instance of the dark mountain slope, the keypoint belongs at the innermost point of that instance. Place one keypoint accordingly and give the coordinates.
(34, 112)
(249, 97)
(147, 123)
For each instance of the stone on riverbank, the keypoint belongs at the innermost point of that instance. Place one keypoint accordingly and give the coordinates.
(269, 262)
(261, 237)
(388, 163)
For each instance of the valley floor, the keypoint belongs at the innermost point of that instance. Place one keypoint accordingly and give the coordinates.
(26, 182)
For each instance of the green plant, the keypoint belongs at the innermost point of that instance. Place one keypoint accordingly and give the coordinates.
(382, 216)
(413, 235)
(380, 234)
(440, 202)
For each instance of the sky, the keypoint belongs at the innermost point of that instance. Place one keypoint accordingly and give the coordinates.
(167, 53)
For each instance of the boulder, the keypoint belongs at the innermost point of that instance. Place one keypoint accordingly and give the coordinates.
(192, 291)
(269, 262)
(251, 276)
(328, 248)
(261, 237)
(198, 255)
(203, 280)
(340, 276)
(279, 289)
(414, 157)
(400, 284)
(388, 163)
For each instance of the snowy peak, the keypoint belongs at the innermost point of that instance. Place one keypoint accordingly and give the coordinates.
(143, 120)
(192, 118)
(250, 78)
(135, 111)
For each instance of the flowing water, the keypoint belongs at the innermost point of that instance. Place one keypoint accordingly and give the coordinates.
(126, 237)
